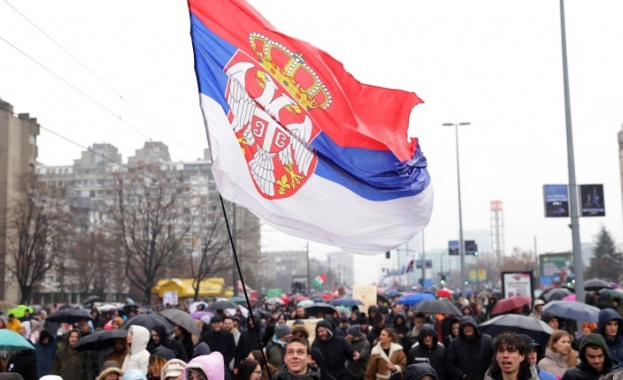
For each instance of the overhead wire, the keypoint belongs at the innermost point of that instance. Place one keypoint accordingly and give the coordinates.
(95, 75)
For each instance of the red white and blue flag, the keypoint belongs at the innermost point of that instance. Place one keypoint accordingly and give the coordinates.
(300, 142)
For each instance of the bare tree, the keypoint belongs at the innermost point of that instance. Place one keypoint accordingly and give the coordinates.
(93, 259)
(152, 220)
(37, 230)
(215, 254)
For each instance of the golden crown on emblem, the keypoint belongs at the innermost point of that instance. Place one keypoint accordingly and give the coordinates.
(291, 71)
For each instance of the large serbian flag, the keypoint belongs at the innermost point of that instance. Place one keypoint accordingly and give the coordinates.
(300, 142)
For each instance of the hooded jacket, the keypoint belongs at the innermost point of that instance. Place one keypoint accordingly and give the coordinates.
(312, 374)
(172, 344)
(334, 350)
(378, 364)
(614, 345)
(357, 369)
(71, 364)
(435, 355)
(469, 356)
(212, 366)
(554, 362)
(45, 354)
(583, 370)
(417, 371)
(138, 358)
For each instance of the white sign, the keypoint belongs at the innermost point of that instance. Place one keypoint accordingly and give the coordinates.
(169, 298)
(517, 284)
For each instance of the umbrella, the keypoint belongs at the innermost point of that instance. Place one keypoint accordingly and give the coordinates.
(319, 308)
(241, 300)
(100, 340)
(298, 298)
(570, 297)
(391, 293)
(70, 316)
(573, 310)
(484, 295)
(19, 311)
(222, 305)
(413, 298)
(444, 293)
(555, 294)
(519, 324)
(193, 306)
(613, 293)
(149, 321)
(12, 341)
(201, 314)
(345, 301)
(510, 303)
(108, 307)
(182, 319)
(306, 303)
(275, 300)
(437, 307)
(596, 284)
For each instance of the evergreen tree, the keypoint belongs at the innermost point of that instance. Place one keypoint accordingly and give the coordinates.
(606, 262)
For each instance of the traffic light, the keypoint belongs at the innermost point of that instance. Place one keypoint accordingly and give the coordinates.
(443, 279)
(471, 248)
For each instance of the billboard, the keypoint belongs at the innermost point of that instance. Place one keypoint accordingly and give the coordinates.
(517, 284)
(555, 267)
(453, 248)
(592, 200)
(556, 198)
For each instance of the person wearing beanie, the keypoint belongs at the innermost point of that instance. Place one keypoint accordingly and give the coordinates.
(335, 350)
(71, 364)
(275, 350)
(173, 370)
(358, 343)
(420, 371)
(110, 371)
(378, 324)
(159, 338)
(221, 340)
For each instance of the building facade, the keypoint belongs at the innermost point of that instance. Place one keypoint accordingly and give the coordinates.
(18, 156)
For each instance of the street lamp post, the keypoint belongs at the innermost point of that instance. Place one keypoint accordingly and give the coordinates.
(458, 181)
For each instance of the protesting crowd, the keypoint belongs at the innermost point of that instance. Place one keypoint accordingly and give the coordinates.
(303, 340)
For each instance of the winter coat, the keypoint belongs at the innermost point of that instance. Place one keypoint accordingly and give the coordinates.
(45, 354)
(312, 374)
(554, 362)
(357, 369)
(212, 366)
(138, 358)
(417, 371)
(529, 375)
(223, 342)
(335, 351)
(583, 370)
(614, 345)
(435, 355)
(472, 356)
(377, 365)
(172, 344)
(24, 363)
(71, 364)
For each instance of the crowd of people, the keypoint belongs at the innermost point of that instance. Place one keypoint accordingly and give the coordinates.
(278, 342)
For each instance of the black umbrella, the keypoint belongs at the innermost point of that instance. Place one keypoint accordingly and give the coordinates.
(519, 324)
(182, 319)
(437, 307)
(595, 284)
(222, 305)
(69, 316)
(149, 321)
(319, 308)
(100, 340)
(555, 294)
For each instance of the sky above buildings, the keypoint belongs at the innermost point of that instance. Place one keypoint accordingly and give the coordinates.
(122, 72)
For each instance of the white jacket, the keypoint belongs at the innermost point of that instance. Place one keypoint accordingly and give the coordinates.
(138, 358)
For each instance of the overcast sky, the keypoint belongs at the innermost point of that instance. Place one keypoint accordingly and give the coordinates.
(495, 64)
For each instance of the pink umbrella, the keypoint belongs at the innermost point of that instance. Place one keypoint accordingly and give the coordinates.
(570, 297)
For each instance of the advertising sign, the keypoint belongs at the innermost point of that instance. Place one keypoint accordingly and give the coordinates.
(592, 200)
(453, 247)
(517, 284)
(556, 199)
(555, 267)
(169, 298)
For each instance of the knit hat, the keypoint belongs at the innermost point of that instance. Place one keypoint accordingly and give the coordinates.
(282, 330)
(354, 330)
(109, 366)
(164, 352)
(172, 368)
